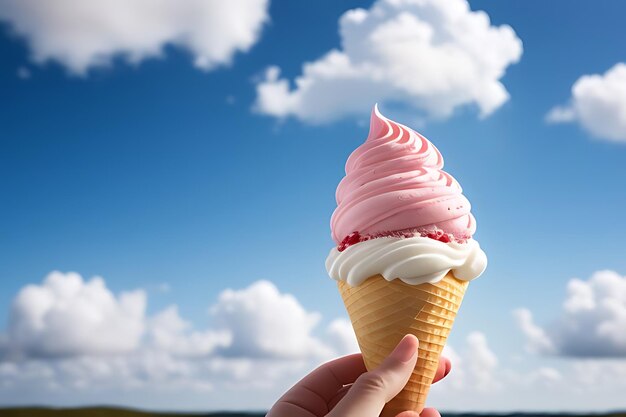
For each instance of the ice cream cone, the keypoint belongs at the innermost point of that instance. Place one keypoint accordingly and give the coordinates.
(382, 312)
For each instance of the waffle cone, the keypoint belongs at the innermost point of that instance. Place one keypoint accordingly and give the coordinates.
(383, 312)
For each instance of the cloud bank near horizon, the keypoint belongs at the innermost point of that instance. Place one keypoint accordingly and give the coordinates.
(73, 341)
(592, 322)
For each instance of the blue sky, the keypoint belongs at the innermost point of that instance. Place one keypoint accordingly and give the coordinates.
(160, 172)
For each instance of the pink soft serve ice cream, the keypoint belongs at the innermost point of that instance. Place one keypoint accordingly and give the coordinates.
(395, 186)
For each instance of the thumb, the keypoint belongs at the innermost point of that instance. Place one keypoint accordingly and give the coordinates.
(372, 390)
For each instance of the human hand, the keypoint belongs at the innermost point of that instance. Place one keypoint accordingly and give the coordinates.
(344, 388)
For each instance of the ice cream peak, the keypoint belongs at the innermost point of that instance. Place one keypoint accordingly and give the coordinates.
(395, 186)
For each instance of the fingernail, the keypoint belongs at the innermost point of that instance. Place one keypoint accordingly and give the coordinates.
(448, 369)
(406, 349)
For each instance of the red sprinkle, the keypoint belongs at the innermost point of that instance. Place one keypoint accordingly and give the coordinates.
(351, 239)
(440, 236)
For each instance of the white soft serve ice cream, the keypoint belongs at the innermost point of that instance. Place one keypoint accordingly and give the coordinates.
(414, 260)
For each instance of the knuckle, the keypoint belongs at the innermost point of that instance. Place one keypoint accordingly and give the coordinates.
(372, 381)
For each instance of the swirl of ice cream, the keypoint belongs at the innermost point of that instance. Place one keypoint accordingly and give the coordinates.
(415, 260)
(395, 182)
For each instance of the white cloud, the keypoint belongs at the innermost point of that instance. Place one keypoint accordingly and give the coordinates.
(598, 103)
(70, 338)
(481, 362)
(561, 114)
(67, 316)
(170, 333)
(537, 339)
(342, 337)
(545, 375)
(86, 34)
(175, 364)
(267, 324)
(432, 55)
(592, 322)
(482, 381)
(594, 374)
(474, 367)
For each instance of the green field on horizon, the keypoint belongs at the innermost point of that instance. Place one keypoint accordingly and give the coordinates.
(107, 412)
(122, 412)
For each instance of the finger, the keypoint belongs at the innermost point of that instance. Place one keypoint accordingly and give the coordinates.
(328, 378)
(340, 394)
(426, 412)
(443, 369)
(429, 412)
(284, 409)
(313, 393)
(374, 389)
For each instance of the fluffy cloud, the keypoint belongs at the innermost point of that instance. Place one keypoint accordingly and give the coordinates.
(431, 55)
(598, 103)
(594, 374)
(481, 362)
(67, 316)
(266, 323)
(85, 34)
(173, 364)
(475, 366)
(544, 375)
(168, 332)
(537, 339)
(341, 335)
(592, 322)
(69, 335)
(483, 381)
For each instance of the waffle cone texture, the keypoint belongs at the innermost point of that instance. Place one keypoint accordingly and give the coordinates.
(382, 312)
